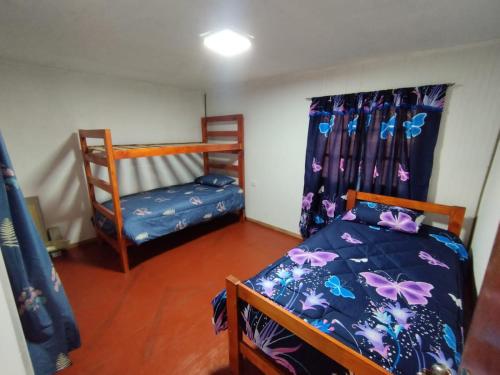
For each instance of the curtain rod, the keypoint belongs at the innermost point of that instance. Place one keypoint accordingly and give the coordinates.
(447, 84)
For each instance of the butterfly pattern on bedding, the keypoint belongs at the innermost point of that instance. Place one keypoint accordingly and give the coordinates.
(397, 305)
(151, 214)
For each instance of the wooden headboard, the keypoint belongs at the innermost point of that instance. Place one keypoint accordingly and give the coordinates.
(237, 135)
(455, 214)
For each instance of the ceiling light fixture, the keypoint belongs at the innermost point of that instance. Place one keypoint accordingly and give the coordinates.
(226, 42)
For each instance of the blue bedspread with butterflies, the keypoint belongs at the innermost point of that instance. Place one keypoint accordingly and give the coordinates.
(155, 213)
(394, 297)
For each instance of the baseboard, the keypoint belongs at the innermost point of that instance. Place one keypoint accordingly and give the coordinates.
(275, 228)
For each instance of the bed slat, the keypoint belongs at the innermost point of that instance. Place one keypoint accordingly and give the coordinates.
(104, 185)
(93, 133)
(96, 159)
(228, 167)
(221, 133)
(105, 211)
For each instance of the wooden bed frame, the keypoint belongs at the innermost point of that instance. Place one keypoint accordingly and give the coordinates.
(240, 346)
(107, 154)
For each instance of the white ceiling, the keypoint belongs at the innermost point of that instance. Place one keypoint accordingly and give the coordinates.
(158, 40)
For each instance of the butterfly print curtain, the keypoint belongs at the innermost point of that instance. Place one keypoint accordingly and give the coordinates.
(46, 316)
(380, 142)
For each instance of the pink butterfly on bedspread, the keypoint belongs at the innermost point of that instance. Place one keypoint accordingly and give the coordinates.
(316, 258)
(431, 260)
(347, 237)
(415, 292)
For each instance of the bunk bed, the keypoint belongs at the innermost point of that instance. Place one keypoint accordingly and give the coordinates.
(108, 219)
(347, 300)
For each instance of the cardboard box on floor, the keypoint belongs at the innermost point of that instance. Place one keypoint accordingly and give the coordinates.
(52, 236)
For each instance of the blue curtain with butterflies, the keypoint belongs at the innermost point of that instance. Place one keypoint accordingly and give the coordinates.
(45, 313)
(380, 142)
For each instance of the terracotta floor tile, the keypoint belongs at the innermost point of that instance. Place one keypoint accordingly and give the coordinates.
(157, 318)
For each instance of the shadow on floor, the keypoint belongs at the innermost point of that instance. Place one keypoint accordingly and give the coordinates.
(109, 259)
(248, 369)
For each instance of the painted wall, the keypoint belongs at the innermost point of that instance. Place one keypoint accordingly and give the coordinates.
(41, 110)
(488, 219)
(276, 118)
(14, 356)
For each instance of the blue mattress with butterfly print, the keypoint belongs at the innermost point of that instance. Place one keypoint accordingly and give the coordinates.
(151, 214)
(394, 297)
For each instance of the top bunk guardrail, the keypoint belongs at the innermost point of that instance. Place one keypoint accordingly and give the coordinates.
(97, 154)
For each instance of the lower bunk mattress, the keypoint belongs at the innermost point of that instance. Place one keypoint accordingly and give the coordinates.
(394, 297)
(151, 214)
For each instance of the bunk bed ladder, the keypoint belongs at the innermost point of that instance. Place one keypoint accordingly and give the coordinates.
(119, 244)
(239, 134)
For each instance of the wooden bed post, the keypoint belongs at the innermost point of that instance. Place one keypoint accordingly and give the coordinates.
(88, 173)
(456, 220)
(351, 199)
(241, 160)
(204, 139)
(115, 196)
(233, 327)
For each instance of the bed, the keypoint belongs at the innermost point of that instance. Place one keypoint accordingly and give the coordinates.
(121, 224)
(353, 297)
(155, 213)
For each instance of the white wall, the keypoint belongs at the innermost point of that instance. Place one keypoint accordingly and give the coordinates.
(42, 108)
(14, 356)
(276, 120)
(487, 222)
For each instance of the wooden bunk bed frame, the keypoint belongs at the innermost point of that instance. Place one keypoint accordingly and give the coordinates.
(240, 346)
(107, 154)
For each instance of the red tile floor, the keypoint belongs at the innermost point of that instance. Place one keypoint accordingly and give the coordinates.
(157, 318)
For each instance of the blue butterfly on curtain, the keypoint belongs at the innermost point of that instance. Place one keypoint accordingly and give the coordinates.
(319, 220)
(326, 127)
(414, 126)
(388, 127)
(352, 125)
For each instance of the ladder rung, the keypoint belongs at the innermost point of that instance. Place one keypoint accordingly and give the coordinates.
(110, 240)
(105, 211)
(223, 118)
(96, 159)
(92, 133)
(218, 133)
(223, 166)
(104, 185)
